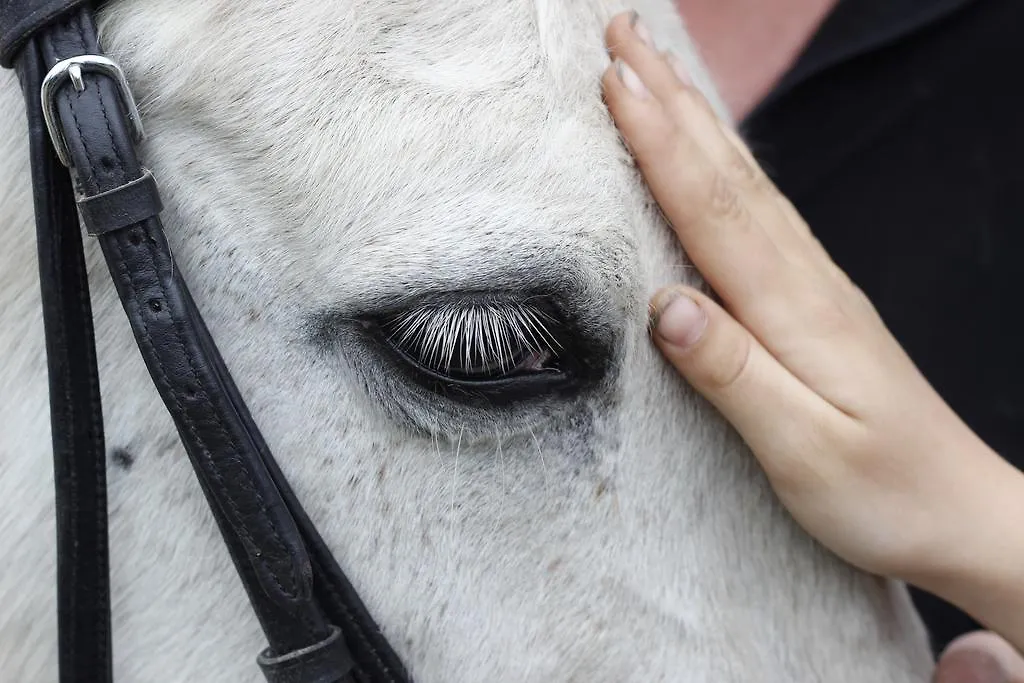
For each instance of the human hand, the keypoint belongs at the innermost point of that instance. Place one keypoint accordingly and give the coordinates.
(979, 657)
(861, 450)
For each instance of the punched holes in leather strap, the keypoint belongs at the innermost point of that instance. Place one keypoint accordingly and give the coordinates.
(121, 207)
(328, 661)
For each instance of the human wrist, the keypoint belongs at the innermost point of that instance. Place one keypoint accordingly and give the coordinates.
(979, 563)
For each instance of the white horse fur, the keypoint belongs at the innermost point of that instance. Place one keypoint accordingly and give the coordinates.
(321, 159)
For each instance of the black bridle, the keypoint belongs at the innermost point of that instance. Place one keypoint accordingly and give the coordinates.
(82, 116)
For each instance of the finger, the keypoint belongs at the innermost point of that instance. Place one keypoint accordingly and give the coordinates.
(980, 657)
(629, 40)
(722, 145)
(729, 246)
(714, 225)
(793, 218)
(665, 78)
(765, 183)
(728, 366)
(688, 105)
(715, 228)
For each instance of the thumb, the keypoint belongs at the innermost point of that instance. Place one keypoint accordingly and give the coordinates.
(723, 361)
(980, 657)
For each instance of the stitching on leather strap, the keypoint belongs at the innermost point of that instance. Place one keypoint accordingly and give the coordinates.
(280, 549)
(121, 206)
(30, 24)
(193, 429)
(354, 623)
(101, 625)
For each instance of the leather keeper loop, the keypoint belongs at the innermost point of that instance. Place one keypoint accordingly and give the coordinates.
(328, 661)
(121, 207)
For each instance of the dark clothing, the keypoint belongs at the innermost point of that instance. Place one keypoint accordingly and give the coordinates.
(899, 134)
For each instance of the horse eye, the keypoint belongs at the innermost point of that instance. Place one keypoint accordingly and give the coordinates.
(477, 343)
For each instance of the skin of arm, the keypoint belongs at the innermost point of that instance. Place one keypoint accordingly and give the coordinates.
(982, 570)
(859, 447)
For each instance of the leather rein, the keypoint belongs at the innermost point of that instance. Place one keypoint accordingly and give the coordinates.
(83, 126)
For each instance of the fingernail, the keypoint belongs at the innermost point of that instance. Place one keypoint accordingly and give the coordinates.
(630, 79)
(678, 319)
(682, 73)
(641, 30)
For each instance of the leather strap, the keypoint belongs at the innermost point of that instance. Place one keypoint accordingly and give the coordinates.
(79, 454)
(133, 202)
(139, 261)
(294, 584)
(19, 19)
(324, 662)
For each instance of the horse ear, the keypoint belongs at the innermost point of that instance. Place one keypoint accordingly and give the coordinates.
(980, 657)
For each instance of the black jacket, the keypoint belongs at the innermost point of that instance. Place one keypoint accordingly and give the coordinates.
(899, 134)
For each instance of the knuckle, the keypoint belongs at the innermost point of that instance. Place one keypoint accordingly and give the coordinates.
(723, 203)
(800, 469)
(701, 102)
(683, 98)
(738, 167)
(857, 295)
(680, 145)
(764, 186)
(861, 453)
(794, 474)
(728, 364)
(825, 313)
(853, 297)
(849, 302)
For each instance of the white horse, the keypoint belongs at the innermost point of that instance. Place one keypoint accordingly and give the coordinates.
(451, 163)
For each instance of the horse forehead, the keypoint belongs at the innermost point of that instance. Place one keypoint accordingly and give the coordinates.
(308, 47)
(350, 133)
(439, 89)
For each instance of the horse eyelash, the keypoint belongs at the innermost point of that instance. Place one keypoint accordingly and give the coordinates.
(443, 336)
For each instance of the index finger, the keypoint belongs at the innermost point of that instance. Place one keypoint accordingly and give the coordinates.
(721, 236)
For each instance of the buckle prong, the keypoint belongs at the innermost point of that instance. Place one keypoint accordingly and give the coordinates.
(75, 74)
(71, 69)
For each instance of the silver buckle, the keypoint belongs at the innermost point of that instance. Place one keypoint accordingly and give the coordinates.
(71, 69)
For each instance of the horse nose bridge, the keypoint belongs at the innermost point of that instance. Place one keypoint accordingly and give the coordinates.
(675, 466)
